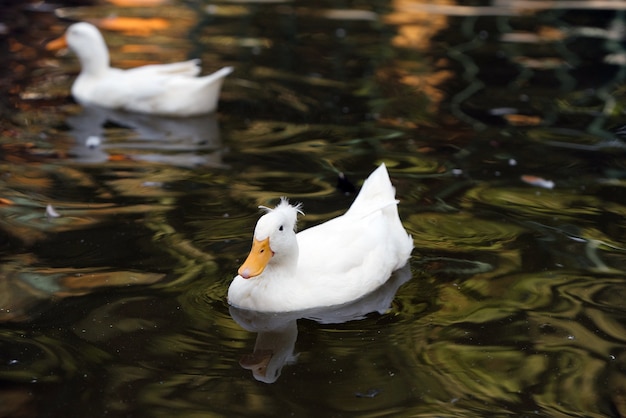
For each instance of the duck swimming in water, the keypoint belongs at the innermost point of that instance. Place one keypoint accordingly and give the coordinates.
(332, 263)
(161, 89)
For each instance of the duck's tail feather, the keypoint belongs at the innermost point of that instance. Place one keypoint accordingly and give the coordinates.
(376, 193)
(221, 73)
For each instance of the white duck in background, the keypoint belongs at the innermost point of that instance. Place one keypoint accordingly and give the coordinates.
(160, 89)
(332, 263)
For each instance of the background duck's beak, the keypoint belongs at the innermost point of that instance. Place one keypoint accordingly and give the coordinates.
(258, 258)
(57, 44)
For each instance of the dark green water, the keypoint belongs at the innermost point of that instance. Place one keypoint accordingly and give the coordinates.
(500, 126)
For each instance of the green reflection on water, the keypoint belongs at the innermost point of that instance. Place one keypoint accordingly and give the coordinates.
(562, 204)
(461, 231)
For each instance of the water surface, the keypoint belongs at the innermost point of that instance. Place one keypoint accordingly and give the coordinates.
(499, 123)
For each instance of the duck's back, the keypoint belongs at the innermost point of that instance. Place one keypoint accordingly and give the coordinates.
(355, 253)
(168, 89)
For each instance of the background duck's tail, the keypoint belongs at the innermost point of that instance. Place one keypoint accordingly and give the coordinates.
(219, 74)
(208, 93)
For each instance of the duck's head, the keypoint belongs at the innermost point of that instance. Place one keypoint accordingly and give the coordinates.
(86, 41)
(274, 240)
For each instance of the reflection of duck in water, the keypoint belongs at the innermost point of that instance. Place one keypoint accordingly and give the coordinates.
(272, 350)
(277, 332)
(330, 264)
(164, 89)
(183, 142)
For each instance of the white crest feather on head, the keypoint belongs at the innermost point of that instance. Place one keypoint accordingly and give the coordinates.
(284, 205)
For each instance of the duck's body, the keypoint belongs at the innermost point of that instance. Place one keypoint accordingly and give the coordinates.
(165, 89)
(333, 263)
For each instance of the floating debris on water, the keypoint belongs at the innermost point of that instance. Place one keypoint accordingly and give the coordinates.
(344, 185)
(152, 184)
(370, 393)
(538, 181)
(51, 212)
(93, 142)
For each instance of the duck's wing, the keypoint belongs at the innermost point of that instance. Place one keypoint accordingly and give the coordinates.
(341, 261)
(121, 89)
(189, 68)
(341, 247)
(152, 92)
(369, 238)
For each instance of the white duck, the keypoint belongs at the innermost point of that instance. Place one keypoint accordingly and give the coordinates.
(332, 263)
(161, 89)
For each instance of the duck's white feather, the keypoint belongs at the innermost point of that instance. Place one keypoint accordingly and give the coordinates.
(189, 68)
(162, 89)
(333, 263)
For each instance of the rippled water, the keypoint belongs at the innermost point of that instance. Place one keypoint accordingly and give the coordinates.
(500, 125)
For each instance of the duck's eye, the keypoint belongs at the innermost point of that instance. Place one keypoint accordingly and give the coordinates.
(280, 228)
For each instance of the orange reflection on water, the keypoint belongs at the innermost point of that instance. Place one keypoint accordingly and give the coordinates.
(541, 35)
(136, 3)
(135, 48)
(415, 29)
(144, 55)
(415, 26)
(134, 25)
(523, 120)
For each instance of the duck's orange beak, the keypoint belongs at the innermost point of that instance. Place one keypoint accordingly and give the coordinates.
(57, 44)
(258, 258)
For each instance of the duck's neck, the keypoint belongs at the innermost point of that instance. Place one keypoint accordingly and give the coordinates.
(283, 264)
(95, 61)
